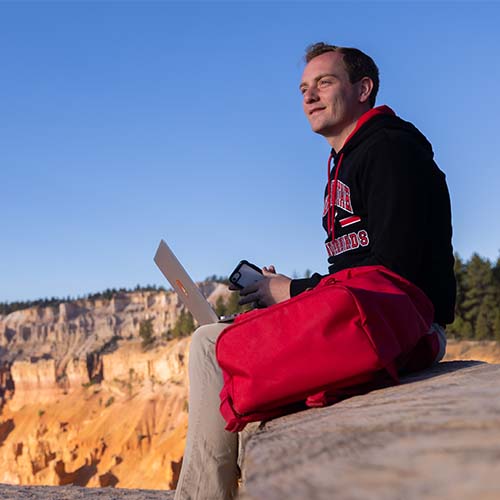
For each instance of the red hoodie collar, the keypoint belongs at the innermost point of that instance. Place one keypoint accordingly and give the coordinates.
(379, 110)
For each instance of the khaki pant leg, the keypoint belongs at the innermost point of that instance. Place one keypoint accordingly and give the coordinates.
(441, 333)
(209, 468)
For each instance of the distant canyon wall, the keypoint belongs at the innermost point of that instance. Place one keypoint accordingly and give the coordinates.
(83, 403)
(68, 338)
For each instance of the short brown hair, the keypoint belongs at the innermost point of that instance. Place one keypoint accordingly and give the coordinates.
(357, 64)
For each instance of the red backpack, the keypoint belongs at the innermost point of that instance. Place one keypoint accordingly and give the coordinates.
(350, 334)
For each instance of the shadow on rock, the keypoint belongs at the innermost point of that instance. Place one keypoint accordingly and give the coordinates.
(442, 368)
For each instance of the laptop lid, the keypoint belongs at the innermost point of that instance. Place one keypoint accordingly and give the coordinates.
(185, 287)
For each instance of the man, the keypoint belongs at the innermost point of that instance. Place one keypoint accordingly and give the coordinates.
(386, 203)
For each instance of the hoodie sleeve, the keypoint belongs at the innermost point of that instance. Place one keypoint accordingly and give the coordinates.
(301, 285)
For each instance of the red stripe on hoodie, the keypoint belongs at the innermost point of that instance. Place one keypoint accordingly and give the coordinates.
(379, 110)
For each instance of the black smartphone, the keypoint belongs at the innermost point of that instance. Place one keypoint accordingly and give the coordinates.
(245, 274)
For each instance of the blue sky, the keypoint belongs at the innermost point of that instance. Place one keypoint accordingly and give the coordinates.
(125, 122)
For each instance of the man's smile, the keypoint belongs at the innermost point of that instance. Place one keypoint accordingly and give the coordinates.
(315, 110)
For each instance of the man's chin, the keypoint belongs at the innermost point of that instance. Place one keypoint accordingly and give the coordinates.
(321, 130)
(316, 127)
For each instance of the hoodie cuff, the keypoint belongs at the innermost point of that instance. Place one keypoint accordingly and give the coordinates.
(300, 285)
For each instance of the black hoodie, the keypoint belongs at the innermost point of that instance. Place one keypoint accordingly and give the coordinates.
(392, 207)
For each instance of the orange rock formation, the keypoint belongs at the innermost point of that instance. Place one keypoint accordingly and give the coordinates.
(127, 431)
(83, 404)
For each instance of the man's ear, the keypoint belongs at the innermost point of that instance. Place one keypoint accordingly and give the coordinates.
(365, 88)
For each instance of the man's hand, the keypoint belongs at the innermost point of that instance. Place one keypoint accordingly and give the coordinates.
(272, 289)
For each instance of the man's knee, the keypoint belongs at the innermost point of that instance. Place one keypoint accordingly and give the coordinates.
(202, 359)
(203, 341)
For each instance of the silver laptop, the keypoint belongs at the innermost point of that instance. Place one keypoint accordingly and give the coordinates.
(185, 287)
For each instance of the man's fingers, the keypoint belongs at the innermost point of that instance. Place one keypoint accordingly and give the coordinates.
(248, 299)
(266, 271)
(250, 289)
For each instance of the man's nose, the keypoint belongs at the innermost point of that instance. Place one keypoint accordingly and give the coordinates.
(310, 95)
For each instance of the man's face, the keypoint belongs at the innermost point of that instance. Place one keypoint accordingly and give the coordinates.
(331, 103)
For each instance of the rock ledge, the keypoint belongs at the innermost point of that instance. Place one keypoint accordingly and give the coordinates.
(8, 492)
(436, 436)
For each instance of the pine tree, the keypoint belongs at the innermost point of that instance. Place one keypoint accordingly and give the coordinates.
(496, 284)
(220, 307)
(496, 324)
(483, 326)
(146, 332)
(232, 305)
(184, 325)
(460, 328)
(479, 302)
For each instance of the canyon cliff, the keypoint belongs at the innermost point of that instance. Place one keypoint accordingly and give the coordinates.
(84, 403)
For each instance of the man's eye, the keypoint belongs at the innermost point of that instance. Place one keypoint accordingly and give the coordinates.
(324, 82)
(303, 90)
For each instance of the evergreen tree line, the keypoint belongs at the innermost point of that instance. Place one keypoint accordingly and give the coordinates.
(108, 294)
(9, 307)
(477, 313)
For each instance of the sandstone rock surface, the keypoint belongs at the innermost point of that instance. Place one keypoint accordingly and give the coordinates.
(77, 493)
(436, 436)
